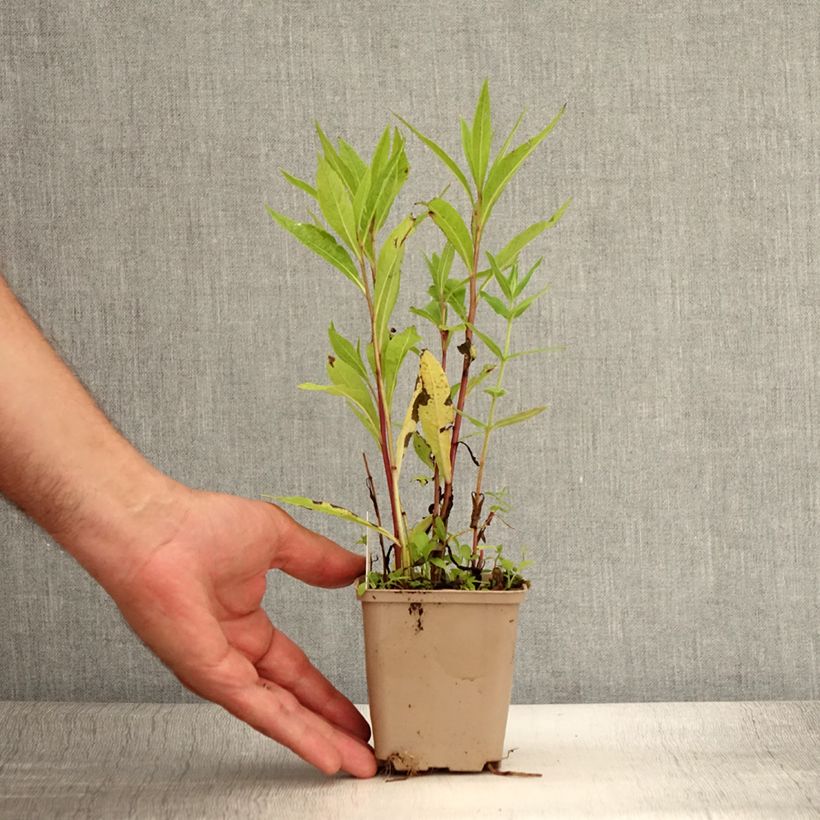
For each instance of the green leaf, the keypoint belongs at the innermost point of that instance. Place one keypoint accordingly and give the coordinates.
(338, 164)
(523, 305)
(495, 392)
(371, 357)
(328, 509)
(381, 154)
(556, 217)
(352, 159)
(474, 381)
(481, 135)
(345, 350)
(467, 147)
(360, 403)
(361, 213)
(452, 226)
(336, 205)
(388, 275)
(455, 292)
(432, 313)
(484, 277)
(496, 304)
(442, 563)
(375, 184)
(553, 349)
(348, 383)
(395, 350)
(348, 377)
(435, 412)
(473, 420)
(300, 183)
(505, 166)
(420, 547)
(443, 156)
(420, 526)
(506, 257)
(440, 267)
(503, 282)
(525, 281)
(493, 346)
(387, 185)
(321, 243)
(524, 415)
(423, 451)
(509, 139)
(408, 427)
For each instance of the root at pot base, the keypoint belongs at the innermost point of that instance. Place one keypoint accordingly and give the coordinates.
(406, 769)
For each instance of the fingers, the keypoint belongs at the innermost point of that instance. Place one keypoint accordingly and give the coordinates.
(311, 557)
(278, 659)
(276, 713)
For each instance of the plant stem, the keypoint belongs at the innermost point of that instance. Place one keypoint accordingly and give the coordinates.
(468, 358)
(371, 488)
(482, 459)
(385, 431)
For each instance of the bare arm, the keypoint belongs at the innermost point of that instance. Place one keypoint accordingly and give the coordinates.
(186, 568)
(62, 461)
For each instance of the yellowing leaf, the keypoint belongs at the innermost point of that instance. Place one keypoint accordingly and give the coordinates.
(435, 411)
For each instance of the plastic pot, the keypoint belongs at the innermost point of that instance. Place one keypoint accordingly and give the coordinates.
(439, 675)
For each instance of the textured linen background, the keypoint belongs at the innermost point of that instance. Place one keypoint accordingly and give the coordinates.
(669, 498)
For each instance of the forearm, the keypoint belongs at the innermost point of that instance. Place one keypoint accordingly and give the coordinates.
(61, 460)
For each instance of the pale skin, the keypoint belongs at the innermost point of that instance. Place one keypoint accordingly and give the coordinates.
(186, 568)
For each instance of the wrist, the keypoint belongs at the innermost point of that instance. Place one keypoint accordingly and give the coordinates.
(114, 523)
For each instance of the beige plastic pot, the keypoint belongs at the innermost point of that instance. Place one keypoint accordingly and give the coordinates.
(439, 675)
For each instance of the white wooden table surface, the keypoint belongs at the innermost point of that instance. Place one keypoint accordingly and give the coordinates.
(711, 760)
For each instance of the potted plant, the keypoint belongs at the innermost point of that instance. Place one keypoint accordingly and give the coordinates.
(440, 600)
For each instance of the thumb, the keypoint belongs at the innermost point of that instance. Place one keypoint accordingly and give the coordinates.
(311, 557)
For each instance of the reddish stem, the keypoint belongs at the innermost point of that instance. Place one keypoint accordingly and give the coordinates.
(465, 372)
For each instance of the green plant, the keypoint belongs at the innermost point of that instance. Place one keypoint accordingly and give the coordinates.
(355, 199)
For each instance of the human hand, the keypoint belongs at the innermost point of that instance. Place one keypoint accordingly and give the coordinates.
(195, 599)
(186, 568)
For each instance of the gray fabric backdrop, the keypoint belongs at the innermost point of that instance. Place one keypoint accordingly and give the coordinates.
(670, 497)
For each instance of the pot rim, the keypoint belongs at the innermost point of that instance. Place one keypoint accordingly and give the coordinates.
(441, 596)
